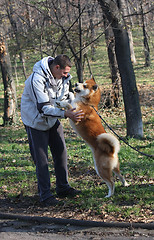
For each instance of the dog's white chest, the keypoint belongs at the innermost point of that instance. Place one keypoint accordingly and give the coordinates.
(73, 125)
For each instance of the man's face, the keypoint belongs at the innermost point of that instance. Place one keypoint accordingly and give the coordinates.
(59, 73)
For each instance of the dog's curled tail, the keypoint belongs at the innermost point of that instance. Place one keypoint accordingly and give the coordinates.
(108, 143)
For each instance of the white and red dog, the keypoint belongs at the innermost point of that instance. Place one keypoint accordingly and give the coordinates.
(104, 146)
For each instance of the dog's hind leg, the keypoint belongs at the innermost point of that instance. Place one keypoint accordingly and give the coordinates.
(111, 187)
(121, 178)
(106, 175)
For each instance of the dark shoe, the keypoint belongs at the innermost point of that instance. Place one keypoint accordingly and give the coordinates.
(70, 192)
(51, 201)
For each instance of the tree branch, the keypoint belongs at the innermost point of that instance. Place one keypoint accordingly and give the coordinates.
(139, 13)
(65, 32)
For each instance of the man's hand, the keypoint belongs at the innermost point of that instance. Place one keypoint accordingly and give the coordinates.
(74, 116)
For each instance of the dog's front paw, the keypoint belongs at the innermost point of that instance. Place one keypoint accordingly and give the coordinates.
(63, 104)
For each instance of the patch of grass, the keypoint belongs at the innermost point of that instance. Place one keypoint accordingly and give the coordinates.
(133, 203)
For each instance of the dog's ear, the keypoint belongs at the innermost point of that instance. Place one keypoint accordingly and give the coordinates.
(95, 87)
(92, 78)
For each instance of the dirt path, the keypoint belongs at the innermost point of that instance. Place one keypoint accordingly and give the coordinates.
(17, 230)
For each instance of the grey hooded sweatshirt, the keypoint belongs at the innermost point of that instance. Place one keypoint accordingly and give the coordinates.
(40, 93)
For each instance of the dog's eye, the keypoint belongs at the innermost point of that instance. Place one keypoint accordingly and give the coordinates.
(85, 86)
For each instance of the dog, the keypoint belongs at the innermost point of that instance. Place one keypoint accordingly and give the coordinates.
(104, 146)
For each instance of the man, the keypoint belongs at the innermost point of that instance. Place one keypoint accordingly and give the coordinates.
(50, 81)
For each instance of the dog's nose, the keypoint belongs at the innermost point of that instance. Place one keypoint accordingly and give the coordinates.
(76, 90)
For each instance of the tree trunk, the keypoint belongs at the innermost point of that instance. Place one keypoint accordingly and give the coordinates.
(145, 39)
(28, 12)
(79, 69)
(123, 6)
(110, 42)
(10, 13)
(10, 100)
(80, 62)
(122, 49)
(130, 92)
(131, 44)
(92, 33)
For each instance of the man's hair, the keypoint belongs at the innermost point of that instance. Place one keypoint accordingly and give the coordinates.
(63, 61)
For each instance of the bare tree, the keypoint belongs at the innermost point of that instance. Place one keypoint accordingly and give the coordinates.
(10, 100)
(92, 31)
(142, 12)
(123, 6)
(122, 49)
(110, 42)
(10, 12)
(145, 38)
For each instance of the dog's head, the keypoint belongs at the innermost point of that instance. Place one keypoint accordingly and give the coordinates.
(88, 92)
